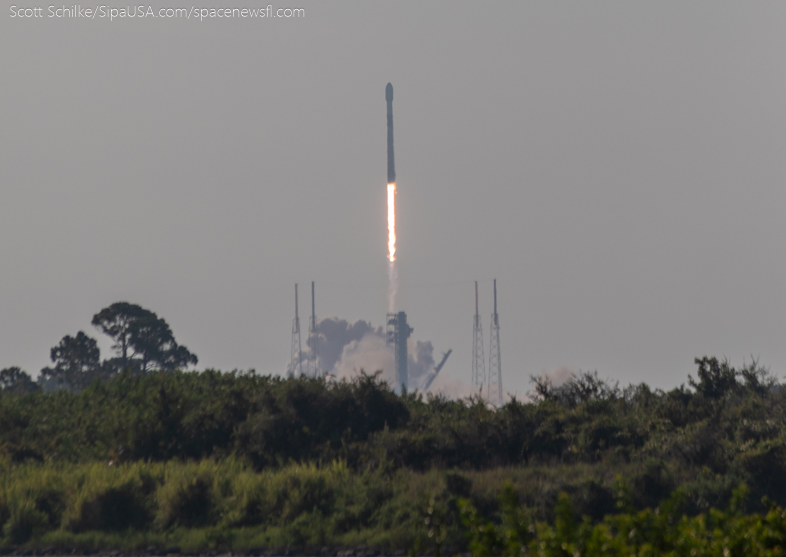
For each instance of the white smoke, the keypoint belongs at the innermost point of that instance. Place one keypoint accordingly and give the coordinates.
(457, 389)
(392, 286)
(345, 348)
(371, 353)
(453, 388)
(420, 361)
(335, 334)
(559, 376)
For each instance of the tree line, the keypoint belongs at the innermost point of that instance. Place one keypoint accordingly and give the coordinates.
(142, 342)
(327, 460)
(727, 425)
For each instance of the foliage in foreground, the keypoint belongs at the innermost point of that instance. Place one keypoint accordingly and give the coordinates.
(199, 505)
(220, 460)
(727, 427)
(227, 505)
(660, 531)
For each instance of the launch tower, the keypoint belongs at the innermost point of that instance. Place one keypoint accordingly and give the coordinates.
(495, 358)
(312, 365)
(398, 331)
(478, 364)
(296, 356)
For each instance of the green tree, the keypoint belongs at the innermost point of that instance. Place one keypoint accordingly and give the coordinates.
(142, 340)
(117, 322)
(77, 362)
(716, 378)
(14, 380)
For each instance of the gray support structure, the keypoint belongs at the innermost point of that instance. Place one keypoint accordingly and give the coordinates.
(478, 364)
(495, 359)
(398, 331)
(436, 371)
(296, 355)
(312, 367)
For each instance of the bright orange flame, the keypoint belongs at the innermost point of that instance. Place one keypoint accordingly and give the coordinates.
(392, 222)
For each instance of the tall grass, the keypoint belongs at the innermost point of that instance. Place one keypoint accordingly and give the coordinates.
(199, 505)
(226, 504)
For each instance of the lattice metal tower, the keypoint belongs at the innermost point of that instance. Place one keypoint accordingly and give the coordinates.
(478, 358)
(495, 362)
(312, 366)
(398, 331)
(296, 355)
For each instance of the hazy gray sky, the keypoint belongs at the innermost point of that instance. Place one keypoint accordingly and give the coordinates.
(618, 167)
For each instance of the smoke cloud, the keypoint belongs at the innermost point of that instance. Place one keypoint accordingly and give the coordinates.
(452, 388)
(335, 334)
(345, 348)
(371, 353)
(420, 361)
(559, 376)
(392, 286)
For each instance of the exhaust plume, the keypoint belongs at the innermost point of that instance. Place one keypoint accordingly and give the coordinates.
(392, 276)
(346, 348)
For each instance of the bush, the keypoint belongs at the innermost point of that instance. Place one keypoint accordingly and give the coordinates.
(300, 490)
(113, 509)
(187, 496)
(218, 460)
(24, 522)
(765, 465)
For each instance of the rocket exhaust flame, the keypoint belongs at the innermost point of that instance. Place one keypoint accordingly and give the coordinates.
(392, 222)
(392, 278)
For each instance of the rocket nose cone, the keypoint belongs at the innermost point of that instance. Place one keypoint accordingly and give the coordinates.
(389, 92)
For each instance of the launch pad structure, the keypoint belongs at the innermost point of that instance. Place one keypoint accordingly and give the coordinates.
(296, 354)
(478, 359)
(398, 331)
(312, 364)
(495, 358)
(309, 367)
(491, 382)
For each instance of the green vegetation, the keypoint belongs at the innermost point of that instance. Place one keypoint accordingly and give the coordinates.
(195, 505)
(662, 531)
(241, 461)
(142, 343)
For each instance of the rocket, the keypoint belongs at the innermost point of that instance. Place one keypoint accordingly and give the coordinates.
(391, 160)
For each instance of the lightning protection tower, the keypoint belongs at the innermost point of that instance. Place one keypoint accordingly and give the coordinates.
(495, 362)
(296, 356)
(478, 365)
(312, 366)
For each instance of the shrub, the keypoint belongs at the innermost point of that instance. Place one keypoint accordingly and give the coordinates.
(299, 490)
(250, 503)
(24, 522)
(187, 496)
(114, 509)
